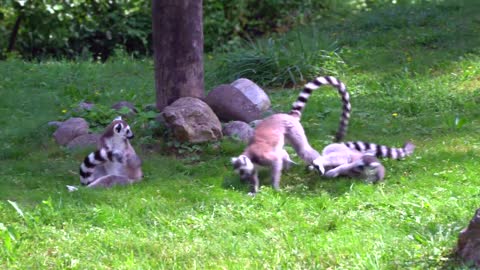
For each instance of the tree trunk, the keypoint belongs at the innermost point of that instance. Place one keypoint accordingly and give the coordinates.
(13, 34)
(178, 50)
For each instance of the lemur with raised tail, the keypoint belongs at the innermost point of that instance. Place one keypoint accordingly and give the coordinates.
(266, 146)
(358, 159)
(115, 162)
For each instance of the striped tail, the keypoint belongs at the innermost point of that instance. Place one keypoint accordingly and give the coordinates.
(301, 101)
(382, 151)
(93, 160)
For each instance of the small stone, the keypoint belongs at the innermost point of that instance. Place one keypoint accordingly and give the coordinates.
(125, 104)
(85, 106)
(70, 129)
(56, 124)
(84, 141)
(468, 245)
(238, 129)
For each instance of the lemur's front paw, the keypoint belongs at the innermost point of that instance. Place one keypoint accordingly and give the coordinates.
(317, 166)
(117, 156)
(331, 174)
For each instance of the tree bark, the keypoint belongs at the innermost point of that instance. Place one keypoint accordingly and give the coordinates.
(178, 50)
(13, 34)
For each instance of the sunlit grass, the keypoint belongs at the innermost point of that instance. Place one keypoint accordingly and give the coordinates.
(194, 213)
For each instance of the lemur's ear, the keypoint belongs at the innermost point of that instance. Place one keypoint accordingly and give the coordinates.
(118, 127)
(118, 118)
(233, 160)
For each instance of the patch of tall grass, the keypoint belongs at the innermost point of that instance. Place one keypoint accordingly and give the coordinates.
(280, 61)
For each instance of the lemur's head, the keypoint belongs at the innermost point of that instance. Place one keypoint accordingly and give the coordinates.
(370, 168)
(243, 166)
(120, 129)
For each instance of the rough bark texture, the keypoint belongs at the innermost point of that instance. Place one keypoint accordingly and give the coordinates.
(178, 50)
(468, 246)
(13, 35)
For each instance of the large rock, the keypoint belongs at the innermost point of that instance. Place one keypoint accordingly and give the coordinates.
(191, 120)
(83, 141)
(468, 246)
(238, 129)
(242, 101)
(70, 129)
(254, 93)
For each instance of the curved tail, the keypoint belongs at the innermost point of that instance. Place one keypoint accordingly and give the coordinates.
(302, 99)
(382, 151)
(93, 160)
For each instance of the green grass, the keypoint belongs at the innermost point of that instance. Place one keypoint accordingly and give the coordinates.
(411, 72)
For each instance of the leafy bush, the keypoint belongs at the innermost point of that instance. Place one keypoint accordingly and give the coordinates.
(86, 28)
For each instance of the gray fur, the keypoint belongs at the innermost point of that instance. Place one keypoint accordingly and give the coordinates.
(358, 159)
(115, 162)
(266, 146)
(264, 150)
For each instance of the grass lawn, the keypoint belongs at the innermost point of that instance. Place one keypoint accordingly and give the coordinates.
(413, 73)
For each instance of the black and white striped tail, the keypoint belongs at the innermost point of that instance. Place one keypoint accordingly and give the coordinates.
(302, 99)
(382, 151)
(91, 161)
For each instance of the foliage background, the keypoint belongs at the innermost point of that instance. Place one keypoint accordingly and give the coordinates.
(413, 72)
(83, 29)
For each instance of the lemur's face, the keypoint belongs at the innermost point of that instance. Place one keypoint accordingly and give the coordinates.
(123, 130)
(243, 166)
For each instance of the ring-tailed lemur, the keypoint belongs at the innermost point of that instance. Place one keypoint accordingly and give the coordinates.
(115, 162)
(358, 159)
(266, 146)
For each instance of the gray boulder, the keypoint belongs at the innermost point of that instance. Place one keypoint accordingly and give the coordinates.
(192, 120)
(125, 104)
(70, 129)
(468, 246)
(238, 129)
(84, 141)
(247, 103)
(254, 93)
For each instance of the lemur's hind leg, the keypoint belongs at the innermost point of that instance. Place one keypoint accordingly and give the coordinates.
(286, 161)
(340, 170)
(109, 181)
(295, 135)
(276, 172)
